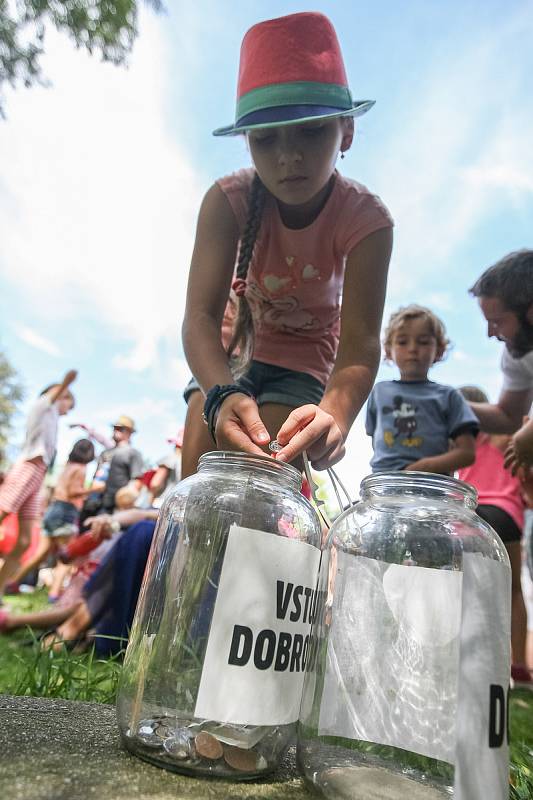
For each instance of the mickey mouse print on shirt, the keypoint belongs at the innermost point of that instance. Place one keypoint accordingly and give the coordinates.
(404, 422)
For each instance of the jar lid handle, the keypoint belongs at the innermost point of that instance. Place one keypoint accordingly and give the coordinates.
(335, 481)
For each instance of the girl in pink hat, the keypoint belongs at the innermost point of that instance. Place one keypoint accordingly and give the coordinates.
(288, 274)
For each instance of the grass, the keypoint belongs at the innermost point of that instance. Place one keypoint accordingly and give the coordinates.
(28, 669)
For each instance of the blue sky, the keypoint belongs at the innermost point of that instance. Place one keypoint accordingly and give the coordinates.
(101, 176)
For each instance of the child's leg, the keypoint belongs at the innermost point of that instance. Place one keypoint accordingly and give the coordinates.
(518, 608)
(60, 573)
(75, 624)
(20, 494)
(38, 619)
(196, 438)
(40, 554)
(12, 559)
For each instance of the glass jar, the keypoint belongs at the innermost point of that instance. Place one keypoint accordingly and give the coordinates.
(214, 668)
(407, 694)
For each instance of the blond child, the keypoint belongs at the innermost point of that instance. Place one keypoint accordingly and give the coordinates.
(19, 493)
(412, 420)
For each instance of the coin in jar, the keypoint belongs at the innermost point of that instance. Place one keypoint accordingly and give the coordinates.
(208, 747)
(239, 759)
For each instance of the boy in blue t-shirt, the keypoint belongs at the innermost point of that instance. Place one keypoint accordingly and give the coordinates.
(412, 420)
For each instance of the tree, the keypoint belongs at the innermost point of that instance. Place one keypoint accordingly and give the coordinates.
(108, 27)
(10, 395)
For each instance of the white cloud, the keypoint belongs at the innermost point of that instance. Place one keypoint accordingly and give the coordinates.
(98, 200)
(466, 135)
(34, 339)
(460, 355)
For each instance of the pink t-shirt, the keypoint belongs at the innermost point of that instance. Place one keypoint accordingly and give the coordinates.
(495, 485)
(295, 278)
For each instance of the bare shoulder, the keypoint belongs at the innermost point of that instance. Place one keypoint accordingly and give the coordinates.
(216, 210)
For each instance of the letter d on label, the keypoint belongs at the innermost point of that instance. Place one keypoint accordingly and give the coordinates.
(243, 634)
(497, 716)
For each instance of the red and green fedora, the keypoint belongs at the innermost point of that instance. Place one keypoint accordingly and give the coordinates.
(291, 70)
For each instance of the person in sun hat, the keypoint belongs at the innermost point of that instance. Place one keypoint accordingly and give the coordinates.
(168, 471)
(288, 274)
(117, 466)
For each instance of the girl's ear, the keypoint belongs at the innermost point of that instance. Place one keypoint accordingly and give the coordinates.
(348, 131)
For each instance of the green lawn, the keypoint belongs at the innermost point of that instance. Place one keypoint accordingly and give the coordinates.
(27, 669)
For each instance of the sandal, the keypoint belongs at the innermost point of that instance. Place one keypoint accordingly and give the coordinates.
(52, 640)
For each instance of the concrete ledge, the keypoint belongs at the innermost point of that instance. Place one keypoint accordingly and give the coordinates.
(63, 750)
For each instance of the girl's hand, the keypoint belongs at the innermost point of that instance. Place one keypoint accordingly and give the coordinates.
(239, 426)
(312, 429)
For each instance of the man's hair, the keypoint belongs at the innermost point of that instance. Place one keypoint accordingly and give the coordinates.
(82, 452)
(510, 279)
(413, 311)
(473, 394)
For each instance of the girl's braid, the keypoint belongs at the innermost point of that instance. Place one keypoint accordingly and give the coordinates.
(243, 334)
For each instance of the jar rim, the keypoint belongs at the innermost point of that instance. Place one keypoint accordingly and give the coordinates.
(239, 458)
(419, 480)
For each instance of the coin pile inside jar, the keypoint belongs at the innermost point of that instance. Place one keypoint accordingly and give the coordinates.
(214, 746)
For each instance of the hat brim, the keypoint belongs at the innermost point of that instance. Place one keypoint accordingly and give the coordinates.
(357, 110)
(119, 424)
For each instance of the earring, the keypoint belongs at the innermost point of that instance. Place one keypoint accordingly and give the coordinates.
(342, 154)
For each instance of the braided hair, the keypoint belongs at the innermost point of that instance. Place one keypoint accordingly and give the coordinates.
(243, 334)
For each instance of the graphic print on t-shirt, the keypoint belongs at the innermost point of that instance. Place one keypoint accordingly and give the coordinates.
(281, 313)
(404, 422)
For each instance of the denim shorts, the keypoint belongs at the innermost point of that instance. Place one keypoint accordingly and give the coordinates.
(60, 519)
(271, 384)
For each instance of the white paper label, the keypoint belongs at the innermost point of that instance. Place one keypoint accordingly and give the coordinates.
(393, 651)
(259, 637)
(482, 763)
(420, 659)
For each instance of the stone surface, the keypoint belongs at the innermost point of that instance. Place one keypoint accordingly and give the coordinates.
(62, 750)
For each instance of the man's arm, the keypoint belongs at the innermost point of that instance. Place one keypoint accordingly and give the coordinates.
(506, 416)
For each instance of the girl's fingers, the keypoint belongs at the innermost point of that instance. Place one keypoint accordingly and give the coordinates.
(311, 429)
(297, 419)
(233, 437)
(252, 423)
(240, 425)
(331, 458)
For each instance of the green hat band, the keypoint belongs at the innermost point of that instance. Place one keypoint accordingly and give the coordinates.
(297, 93)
